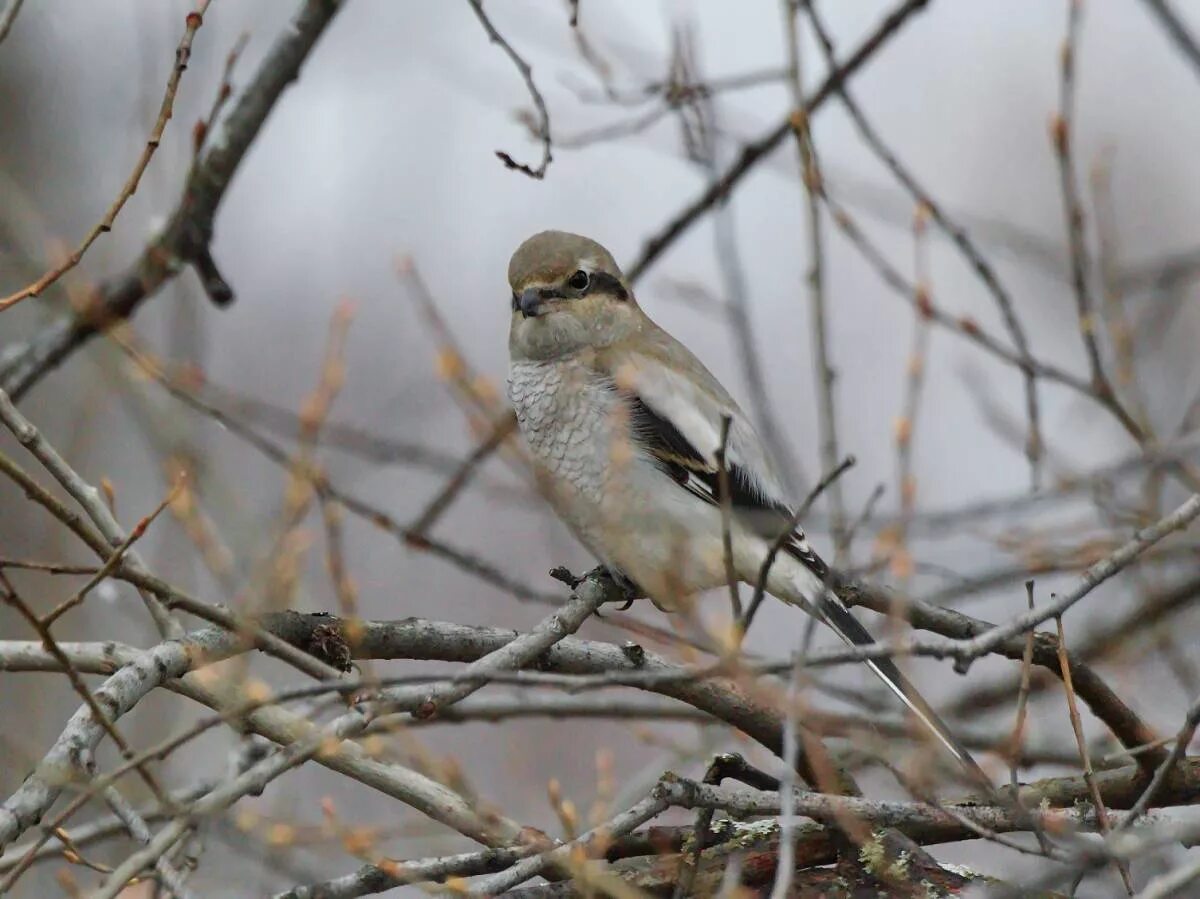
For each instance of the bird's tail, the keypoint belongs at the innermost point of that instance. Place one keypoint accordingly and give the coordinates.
(835, 614)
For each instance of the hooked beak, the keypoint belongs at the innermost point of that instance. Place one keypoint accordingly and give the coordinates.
(530, 302)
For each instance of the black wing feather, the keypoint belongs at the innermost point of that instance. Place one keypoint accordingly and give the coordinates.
(676, 455)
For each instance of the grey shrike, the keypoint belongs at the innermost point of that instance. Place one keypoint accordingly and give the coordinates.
(624, 424)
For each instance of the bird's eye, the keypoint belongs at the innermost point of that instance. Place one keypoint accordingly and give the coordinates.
(579, 281)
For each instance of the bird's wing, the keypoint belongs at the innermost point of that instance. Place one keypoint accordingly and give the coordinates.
(676, 414)
(676, 410)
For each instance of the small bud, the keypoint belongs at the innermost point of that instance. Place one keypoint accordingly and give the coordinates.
(330, 748)
(390, 867)
(902, 564)
(358, 841)
(1059, 134)
(570, 817)
(199, 132)
(281, 835)
(256, 691)
(448, 364)
(110, 493)
(916, 365)
(374, 746)
(415, 540)
(923, 302)
(921, 217)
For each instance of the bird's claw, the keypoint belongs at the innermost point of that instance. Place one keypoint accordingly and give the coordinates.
(629, 590)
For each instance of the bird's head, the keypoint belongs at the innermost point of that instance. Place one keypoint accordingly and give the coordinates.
(568, 294)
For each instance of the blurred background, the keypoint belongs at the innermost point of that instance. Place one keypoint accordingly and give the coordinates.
(380, 162)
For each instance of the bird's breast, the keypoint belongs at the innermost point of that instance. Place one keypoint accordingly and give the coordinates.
(566, 415)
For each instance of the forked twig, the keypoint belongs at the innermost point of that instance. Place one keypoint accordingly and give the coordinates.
(182, 54)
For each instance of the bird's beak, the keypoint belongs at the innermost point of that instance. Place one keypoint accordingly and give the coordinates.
(530, 302)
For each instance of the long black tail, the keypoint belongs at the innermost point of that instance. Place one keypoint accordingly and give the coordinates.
(838, 617)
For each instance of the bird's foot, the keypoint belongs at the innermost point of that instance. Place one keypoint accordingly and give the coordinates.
(629, 590)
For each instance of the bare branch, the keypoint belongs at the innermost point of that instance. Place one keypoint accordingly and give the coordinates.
(756, 151)
(182, 54)
(188, 233)
(1175, 28)
(9, 17)
(539, 103)
(89, 499)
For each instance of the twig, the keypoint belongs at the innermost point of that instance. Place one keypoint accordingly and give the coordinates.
(346, 437)
(182, 54)
(9, 17)
(759, 149)
(1091, 578)
(93, 831)
(620, 824)
(1018, 732)
(145, 670)
(136, 825)
(87, 496)
(749, 352)
(1116, 319)
(1085, 759)
(731, 580)
(811, 177)
(538, 101)
(764, 570)
(785, 866)
(328, 490)
(864, 517)
(90, 700)
(826, 808)
(203, 127)
(113, 562)
(967, 328)
(335, 559)
(389, 874)
(55, 568)
(119, 693)
(189, 230)
(725, 765)
(1175, 28)
(166, 593)
(498, 433)
(1125, 724)
(1163, 772)
(1164, 886)
(956, 233)
(1073, 211)
(697, 116)
(906, 422)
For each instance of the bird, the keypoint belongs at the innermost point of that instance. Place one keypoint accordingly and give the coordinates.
(627, 430)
